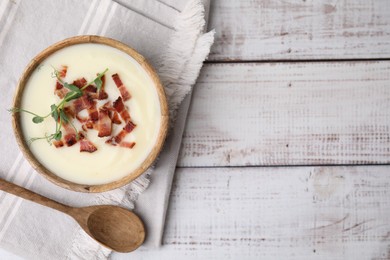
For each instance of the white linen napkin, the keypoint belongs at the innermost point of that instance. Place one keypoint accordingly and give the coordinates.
(172, 40)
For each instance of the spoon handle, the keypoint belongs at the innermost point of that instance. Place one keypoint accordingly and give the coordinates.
(31, 196)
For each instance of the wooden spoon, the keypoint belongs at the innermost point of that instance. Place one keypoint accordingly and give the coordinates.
(114, 227)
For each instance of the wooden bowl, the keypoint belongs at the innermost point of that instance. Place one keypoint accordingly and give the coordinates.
(23, 144)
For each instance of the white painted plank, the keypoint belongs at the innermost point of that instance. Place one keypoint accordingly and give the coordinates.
(277, 213)
(289, 114)
(300, 29)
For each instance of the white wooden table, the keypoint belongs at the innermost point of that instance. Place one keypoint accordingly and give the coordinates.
(285, 151)
(287, 145)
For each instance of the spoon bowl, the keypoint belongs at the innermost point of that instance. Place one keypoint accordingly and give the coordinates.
(126, 230)
(112, 226)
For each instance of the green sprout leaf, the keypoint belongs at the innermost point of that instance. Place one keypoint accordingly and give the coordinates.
(98, 82)
(72, 95)
(57, 135)
(54, 112)
(72, 87)
(37, 119)
(63, 116)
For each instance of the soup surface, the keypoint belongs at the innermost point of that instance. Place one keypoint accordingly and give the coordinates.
(109, 160)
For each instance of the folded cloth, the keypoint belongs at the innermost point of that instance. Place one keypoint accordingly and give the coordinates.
(174, 43)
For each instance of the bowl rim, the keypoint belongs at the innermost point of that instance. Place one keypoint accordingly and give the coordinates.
(39, 167)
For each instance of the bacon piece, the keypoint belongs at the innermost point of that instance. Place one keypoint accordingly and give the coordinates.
(108, 106)
(115, 140)
(93, 112)
(58, 144)
(82, 119)
(70, 139)
(119, 106)
(126, 129)
(129, 126)
(89, 124)
(119, 137)
(83, 102)
(91, 89)
(80, 82)
(58, 85)
(127, 144)
(115, 118)
(113, 113)
(63, 71)
(104, 122)
(87, 146)
(69, 111)
(102, 94)
(81, 135)
(122, 88)
(70, 136)
(60, 91)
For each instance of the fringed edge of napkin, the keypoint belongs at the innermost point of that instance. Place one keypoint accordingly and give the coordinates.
(178, 74)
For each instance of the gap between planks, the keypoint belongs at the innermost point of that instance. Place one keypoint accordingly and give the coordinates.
(228, 61)
(282, 166)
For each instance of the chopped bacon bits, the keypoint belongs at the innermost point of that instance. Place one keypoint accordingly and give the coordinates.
(122, 88)
(102, 94)
(82, 119)
(129, 126)
(121, 109)
(100, 117)
(63, 71)
(60, 91)
(80, 82)
(87, 146)
(127, 144)
(58, 144)
(90, 89)
(118, 139)
(115, 118)
(89, 124)
(69, 111)
(70, 139)
(81, 135)
(104, 123)
(84, 102)
(93, 112)
(70, 134)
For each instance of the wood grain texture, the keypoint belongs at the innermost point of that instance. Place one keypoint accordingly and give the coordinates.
(277, 213)
(300, 29)
(289, 114)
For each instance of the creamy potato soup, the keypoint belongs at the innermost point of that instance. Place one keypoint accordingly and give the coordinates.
(112, 126)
